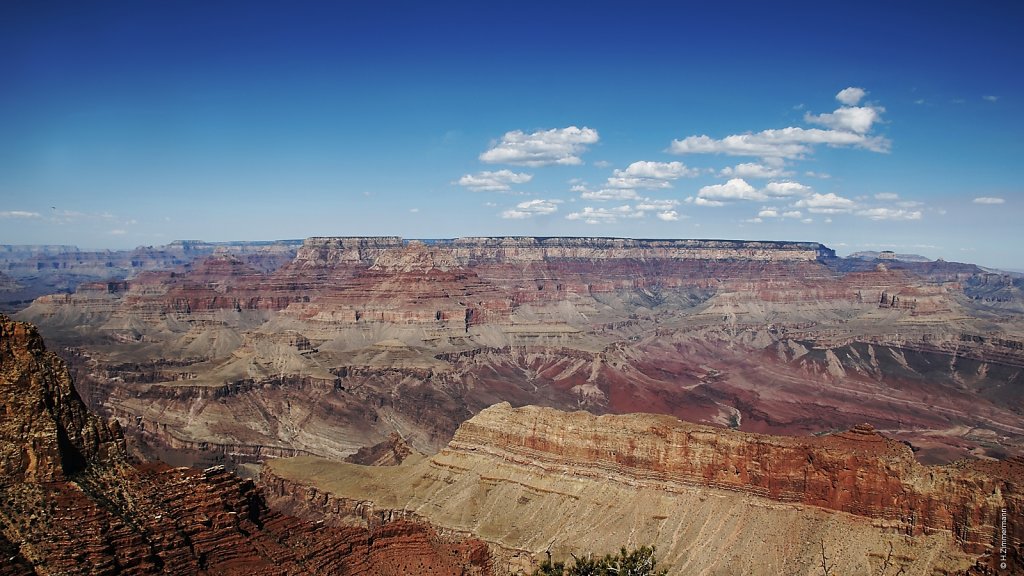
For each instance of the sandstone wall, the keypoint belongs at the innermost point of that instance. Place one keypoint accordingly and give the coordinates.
(859, 471)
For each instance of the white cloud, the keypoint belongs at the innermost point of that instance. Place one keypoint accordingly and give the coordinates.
(847, 126)
(857, 119)
(825, 203)
(605, 194)
(889, 214)
(652, 175)
(414, 210)
(497, 181)
(851, 96)
(531, 208)
(703, 202)
(786, 189)
(753, 170)
(656, 170)
(735, 189)
(773, 213)
(655, 204)
(791, 142)
(887, 196)
(542, 148)
(669, 215)
(988, 200)
(822, 175)
(991, 98)
(592, 215)
(19, 214)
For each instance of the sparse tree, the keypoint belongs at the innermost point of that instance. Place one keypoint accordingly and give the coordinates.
(826, 568)
(639, 562)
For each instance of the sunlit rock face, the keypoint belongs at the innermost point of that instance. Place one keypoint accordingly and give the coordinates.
(72, 503)
(226, 361)
(533, 480)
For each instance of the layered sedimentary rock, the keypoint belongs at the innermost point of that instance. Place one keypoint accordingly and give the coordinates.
(41, 270)
(534, 479)
(72, 504)
(357, 338)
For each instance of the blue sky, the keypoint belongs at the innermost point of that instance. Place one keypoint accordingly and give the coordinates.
(864, 126)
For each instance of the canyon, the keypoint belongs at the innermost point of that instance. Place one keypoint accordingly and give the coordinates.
(488, 400)
(73, 502)
(532, 480)
(226, 360)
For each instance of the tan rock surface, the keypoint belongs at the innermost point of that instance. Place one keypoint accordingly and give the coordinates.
(712, 501)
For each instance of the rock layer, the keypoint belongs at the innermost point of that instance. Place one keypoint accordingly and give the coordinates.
(357, 338)
(532, 477)
(73, 504)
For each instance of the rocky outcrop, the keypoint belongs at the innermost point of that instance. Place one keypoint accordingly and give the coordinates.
(46, 434)
(533, 459)
(858, 471)
(391, 452)
(73, 504)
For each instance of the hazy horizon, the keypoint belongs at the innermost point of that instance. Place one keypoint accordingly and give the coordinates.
(875, 127)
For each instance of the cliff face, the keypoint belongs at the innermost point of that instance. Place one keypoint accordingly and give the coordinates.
(46, 434)
(858, 471)
(575, 480)
(73, 504)
(41, 270)
(357, 338)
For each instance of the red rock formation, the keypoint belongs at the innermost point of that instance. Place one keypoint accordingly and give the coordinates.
(770, 337)
(858, 471)
(391, 452)
(71, 504)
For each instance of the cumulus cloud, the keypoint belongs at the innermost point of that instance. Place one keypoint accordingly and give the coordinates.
(651, 175)
(753, 170)
(735, 189)
(890, 214)
(542, 148)
(988, 200)
(698, 201)
(19, 214)
(652, 204)
(786, 189)
(669, 215)
(857, 119)
(792, 142)
(592, 215)
(825, 203)
(846, 126)
(773, 213)
(531, 208)
(851, 96)
(497, 181)
(605, 194)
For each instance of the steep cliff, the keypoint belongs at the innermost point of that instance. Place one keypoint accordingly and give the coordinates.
(530, 479)
(357, 338)
(73, 504)
(46, 434)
